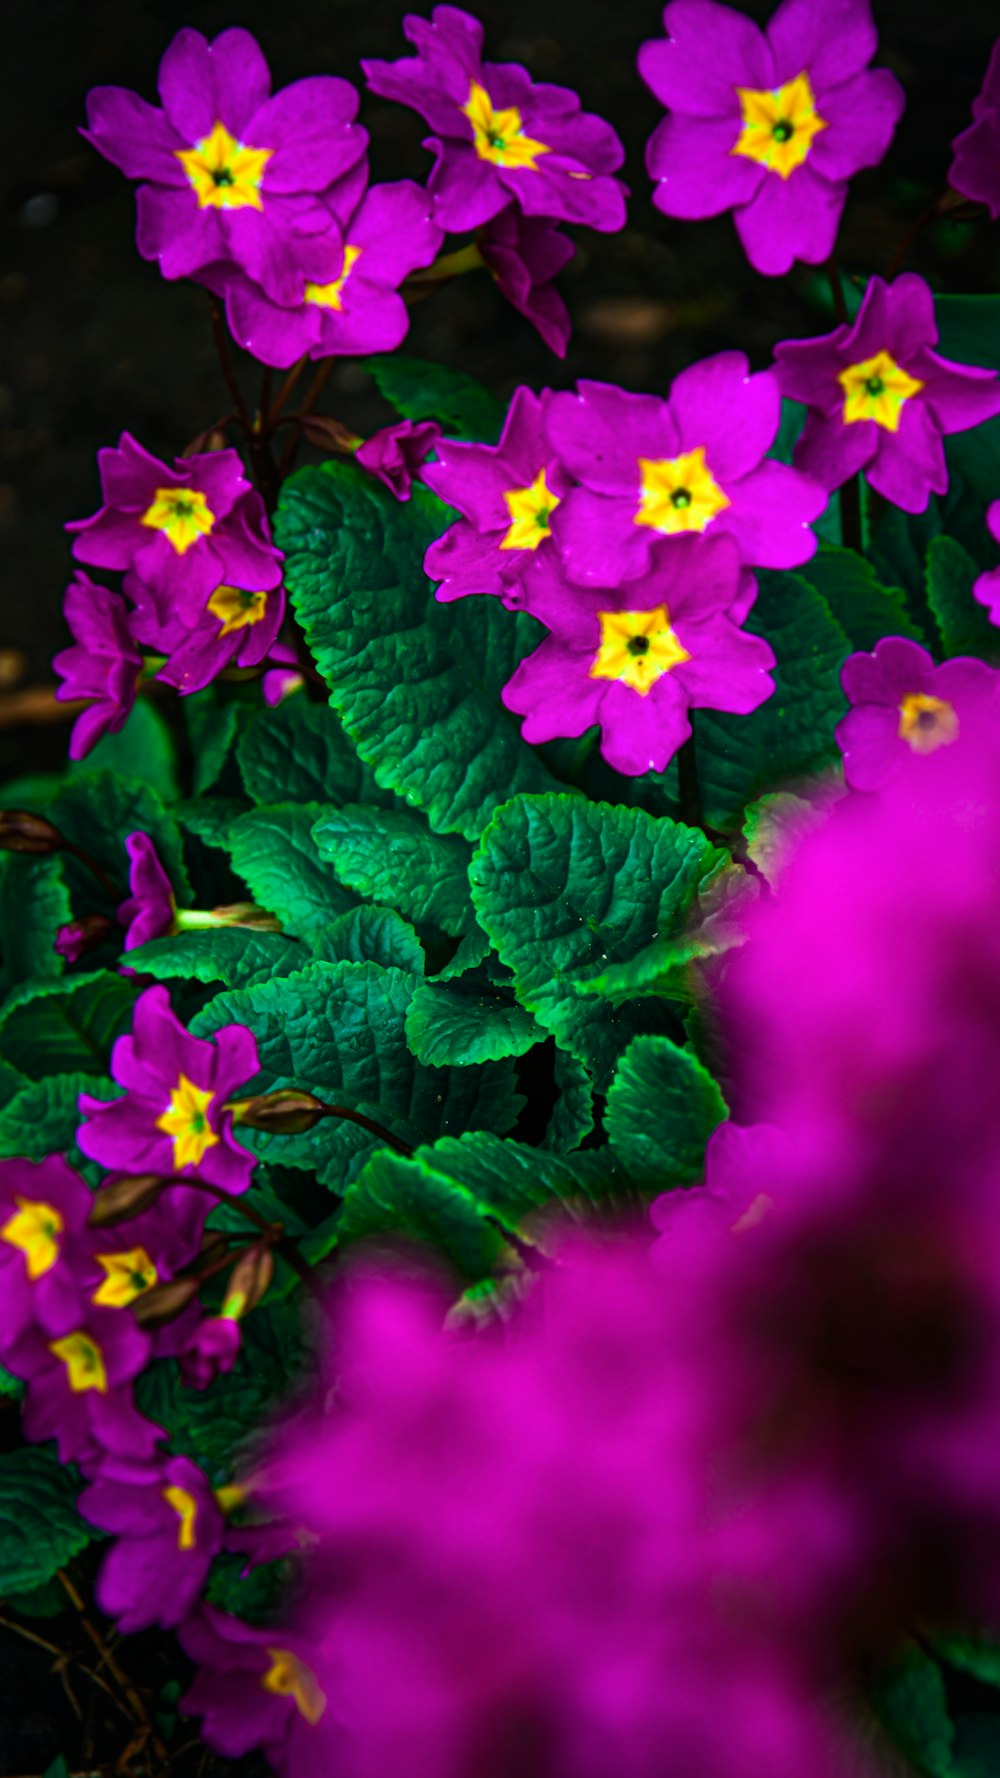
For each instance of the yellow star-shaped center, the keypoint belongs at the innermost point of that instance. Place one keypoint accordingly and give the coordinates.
(225, 174)
(637, 647)
(927, 723)
(778, 126)
(182, 514)
(35, 1229)
(330, 296)
(235, 608)
(126, 1276)
(290, 1677)
(186, 1120)
(877, 389)
(186, 1507)
(84, 1362)
(498, 136)
(678, 493)
(530, 510)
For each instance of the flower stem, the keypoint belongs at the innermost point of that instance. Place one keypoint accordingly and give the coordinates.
(117, 1672)
(226, 364)
(281, 1242)
(306, 406)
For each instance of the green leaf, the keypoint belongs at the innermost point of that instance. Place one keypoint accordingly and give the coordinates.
(404, 1199)
(391, 855)
(716, 923)
(40, 1529)
(58, 1768)
(10, 1386)
(211, 818)
(237, 956)
(791, 734)
(461, 406)
(964, 625)
(214, 729)
(864, 608)
(473, 950)
(775, 827)
(299, 753)
(143, 748)
(274, 852)
(416, 683)
(975, 1653)
(12, 1082)
(34, 903)
(455, 1026)
(62, 1027)
(338, 1029)
(372, 935)
(573, 1116)
(563, 887)
(662, 1108)
(910, 1699)
(98, 810)
(43, 1118)
(977, 1747)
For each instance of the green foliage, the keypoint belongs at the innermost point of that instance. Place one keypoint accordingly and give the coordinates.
(274, 852)
(62, 1027)
(963, 624)
(34, 902)
(393, 856)
(415, 683)
(143, 748)
(43, 1117)
(40, 1529)
(300, 753)
(236, 956)
(573, 1114)
(662, 1107)
(864, 609)
(564, 886)
(214, 729)
(371, 935)
(97, 810)
(460, 1025)
(419, 391)
(910, 1699)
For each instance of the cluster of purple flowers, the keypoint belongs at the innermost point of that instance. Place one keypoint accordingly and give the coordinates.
(72, 1297)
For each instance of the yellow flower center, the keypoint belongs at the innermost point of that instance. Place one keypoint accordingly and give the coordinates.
(877, 389)
(183, 514)
(678, 493)
(637, 647)
(530, 510)
(35, 1229)
(778, 126)
(328, 296)
(927, 723)
(498, 135)
(84, 1362)
(127, 1275)
(290, 1677)
(186, 1120)
(235, 608)
(186, 1508)
(225, 174)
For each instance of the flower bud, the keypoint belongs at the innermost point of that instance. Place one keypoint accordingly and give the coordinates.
(20, 831)
(77, 937)
(248, 1281)
(288, 1112)
(124, 1195)
(328, 434)
(165, 1301)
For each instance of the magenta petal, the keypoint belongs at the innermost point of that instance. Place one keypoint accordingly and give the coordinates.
(832, 41)
(909, 465)
(771, 514)
(396, 230)
(275, 335)
(202, 84)
(975, 170)
(895, 666)
(696, 172)
(734, 416)
(599, 542)
(831, 451)
(958, 395)
(987, 591)
(133, 135)
(709, 52)
(789, 219)
(868, 738)
(466, 191)
(599, 433)
(861, 119)
(173, 232)
(310, 128)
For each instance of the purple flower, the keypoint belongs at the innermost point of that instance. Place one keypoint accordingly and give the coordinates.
(524, 255)
(265, 1688)
(77, 937)
(149, 910)
(987, 587)
(169, 1529)
(635, 658)
(880, 399)
(44, 1208)
(744, 1168)
(115, 1266)
(102, 664)
(236, 624)
(382, 235)
(173, 1117)
(652, 469)
(396, 454)
(770, 125)
(184, 531)
(231, 175)
(499, 136)
(210, 1350)
(79, 1388)
(283, 676)
(507, 493)
(902, 704)
(975, 170)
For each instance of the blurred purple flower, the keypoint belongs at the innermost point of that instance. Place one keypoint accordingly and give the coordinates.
(987, 586)
(44, 1208)
(168, 1530)
(975, 170)
(103, 662)
(210, 1350)
(397, 453)
(263, 1688)
(79, 1388)
(902, 704)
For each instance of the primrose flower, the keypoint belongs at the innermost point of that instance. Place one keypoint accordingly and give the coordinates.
(499, 136)
(79, 1388)
(263, 1687)
(506, 493)
(102, 664)
(116, 1266)
(651, 469)
(184, 531)
(150, 909)
(230, 175)
(769, 124)
(168, 1530)
(172, 1118)
(236, 624)
(44, 1208)
(975, 170)
(382, 236)
(211, 1349)
(880, 399)
(524, 254)
(987, 586)
(902, 704)
(396, 453)
(636, 658)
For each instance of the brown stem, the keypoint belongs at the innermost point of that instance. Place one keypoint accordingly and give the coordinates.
(285, 391)
(17, 1629)
(916, 228)
(117, 1672)
(368, 1123)
(226, 364)
(837, 292)
(306, 406)
(281, 1242)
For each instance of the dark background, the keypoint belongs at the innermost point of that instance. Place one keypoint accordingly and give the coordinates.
(93, 340)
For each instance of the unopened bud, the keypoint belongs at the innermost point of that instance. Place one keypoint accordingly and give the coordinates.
(288, 1112)
(73, 940)
(328, 434)
(123, 1196)
(165, 1301)
(20, 831)
(248, 1281)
